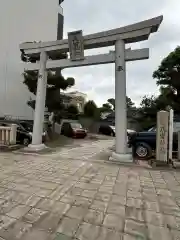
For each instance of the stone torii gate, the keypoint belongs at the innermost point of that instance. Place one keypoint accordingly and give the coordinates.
(118, 37)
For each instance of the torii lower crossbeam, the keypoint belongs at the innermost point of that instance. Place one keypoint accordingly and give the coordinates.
(131, 55)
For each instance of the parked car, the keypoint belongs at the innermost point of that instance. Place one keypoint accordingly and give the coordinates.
(111, 131)
(107, 130)
(24, 131)
(144, 143)
(73, 129)
(152, 129)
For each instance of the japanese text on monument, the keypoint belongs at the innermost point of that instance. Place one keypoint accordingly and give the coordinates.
(76, 45)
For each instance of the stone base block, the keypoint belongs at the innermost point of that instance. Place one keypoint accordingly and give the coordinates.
(35, 148)
(124, 158)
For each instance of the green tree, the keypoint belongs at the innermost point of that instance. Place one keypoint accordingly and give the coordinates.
(55, 83)
(164, 99)
(111, 101)
(110, 105)
(130, 104)
(72, 109)
(168, 77)
(71, 112)
(147, 112)
(106, 107)
(90, 109)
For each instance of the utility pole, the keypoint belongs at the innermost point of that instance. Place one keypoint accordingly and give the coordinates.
(60, 26)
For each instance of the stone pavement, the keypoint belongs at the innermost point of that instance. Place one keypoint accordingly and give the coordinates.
(86, 151)
(55, 198)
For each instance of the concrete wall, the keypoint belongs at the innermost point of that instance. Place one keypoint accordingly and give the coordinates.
(21, 21)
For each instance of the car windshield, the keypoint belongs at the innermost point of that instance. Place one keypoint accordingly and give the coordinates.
(27, 126)
(153, 129)
(76, 125)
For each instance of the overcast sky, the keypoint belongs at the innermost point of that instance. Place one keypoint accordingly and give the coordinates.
(98, 15)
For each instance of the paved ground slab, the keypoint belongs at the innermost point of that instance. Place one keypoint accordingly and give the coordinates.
(68, 195)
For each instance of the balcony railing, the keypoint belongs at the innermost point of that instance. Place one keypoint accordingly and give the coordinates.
(8, 135)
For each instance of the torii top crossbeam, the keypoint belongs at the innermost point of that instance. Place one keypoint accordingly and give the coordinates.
(132, 33)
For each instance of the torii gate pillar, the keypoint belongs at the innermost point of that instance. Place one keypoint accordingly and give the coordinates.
(37, 144)
(120, 153)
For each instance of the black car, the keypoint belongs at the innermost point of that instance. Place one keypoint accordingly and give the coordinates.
(24, 131)
(73, 129)
(111, 130)
(107, 130)
(144, 143)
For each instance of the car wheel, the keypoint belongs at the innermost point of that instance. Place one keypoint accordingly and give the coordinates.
(143, 151)
(100, 132)
(112, 134)
(26, 141)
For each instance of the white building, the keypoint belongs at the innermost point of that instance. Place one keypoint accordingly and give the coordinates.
(22, 21)
(75, 98)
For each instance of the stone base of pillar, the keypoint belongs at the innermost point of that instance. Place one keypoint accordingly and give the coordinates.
(123, 158)
(35, 148)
